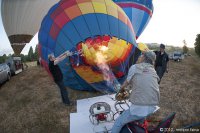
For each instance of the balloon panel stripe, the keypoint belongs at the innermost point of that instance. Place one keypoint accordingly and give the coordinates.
(123, 5)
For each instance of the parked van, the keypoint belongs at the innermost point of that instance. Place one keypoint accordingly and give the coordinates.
(5, 73)
(15, 65)
(177, 56)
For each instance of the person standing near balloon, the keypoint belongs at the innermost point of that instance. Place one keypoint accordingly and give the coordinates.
(161, 64)
(58, 76)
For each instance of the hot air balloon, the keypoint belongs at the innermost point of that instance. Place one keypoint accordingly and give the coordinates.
(21, 20)
(138, 11)
(143, 47)
(98, 28)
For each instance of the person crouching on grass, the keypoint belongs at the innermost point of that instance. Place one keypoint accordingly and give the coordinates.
(145, 95)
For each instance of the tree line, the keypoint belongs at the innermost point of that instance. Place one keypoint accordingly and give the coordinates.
(31, 56)
(197, 45)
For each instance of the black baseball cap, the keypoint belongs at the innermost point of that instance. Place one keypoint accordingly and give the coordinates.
(162, 46)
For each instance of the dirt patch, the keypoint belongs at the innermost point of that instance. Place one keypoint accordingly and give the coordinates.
(30, 102)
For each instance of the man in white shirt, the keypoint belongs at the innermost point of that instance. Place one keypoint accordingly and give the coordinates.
(145, 95)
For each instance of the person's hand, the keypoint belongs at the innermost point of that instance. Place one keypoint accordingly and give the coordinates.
(67, 53)
(124, 85)
(122, 89)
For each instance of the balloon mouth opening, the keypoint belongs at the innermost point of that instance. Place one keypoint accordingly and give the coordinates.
(104, 49)
(101, 53)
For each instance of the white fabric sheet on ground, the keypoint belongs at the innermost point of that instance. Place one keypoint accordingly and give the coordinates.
(80, 122)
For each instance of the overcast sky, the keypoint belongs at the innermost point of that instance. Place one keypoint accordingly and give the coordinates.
(172, 22)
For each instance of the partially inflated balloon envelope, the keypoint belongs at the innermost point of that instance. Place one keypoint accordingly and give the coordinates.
(22, 19)
(143, 47)
(138, 11)
(98, 28)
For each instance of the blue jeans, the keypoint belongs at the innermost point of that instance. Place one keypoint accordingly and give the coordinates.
(123, 119)
(160, 72)
(63, 91)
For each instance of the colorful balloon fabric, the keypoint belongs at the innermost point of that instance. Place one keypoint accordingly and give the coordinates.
(139, 13)
(98, 28)
(143, 47)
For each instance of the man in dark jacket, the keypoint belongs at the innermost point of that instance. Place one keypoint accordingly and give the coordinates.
(161, 63)
(58, 76)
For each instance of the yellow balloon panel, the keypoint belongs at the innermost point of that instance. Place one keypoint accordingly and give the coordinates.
(112, 51)
(86, 8)
(143, 47)
(99, 7)
(85, 72)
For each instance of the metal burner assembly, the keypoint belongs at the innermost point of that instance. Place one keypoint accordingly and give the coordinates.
(100, 112)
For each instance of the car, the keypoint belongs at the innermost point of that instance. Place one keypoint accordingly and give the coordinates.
(177, 56)
(5, 73)
(170, 56)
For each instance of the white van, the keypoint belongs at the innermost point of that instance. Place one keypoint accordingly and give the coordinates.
(177, 56)
(15, 64)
